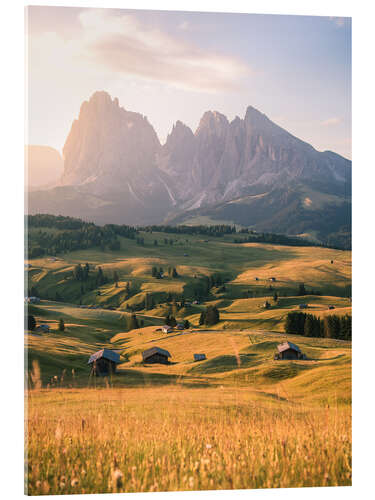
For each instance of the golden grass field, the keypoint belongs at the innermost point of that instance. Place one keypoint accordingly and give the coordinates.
(239, 419)
(127, 440)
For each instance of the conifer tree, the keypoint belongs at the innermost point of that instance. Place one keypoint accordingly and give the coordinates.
(133, 322)
(31, 323)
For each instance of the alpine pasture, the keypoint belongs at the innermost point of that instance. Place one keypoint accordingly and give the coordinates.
(238, 419)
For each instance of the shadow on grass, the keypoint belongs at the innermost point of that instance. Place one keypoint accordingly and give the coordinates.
(224, 363)
(137, 378)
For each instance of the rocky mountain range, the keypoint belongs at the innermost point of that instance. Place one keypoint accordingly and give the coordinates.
(248, 171)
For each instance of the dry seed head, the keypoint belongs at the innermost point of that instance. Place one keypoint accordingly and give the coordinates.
(117, 476)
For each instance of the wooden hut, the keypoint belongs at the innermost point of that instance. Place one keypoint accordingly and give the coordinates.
(43, 328)
(199, 357)
(103, 362)
(156, 355)
(288, 350)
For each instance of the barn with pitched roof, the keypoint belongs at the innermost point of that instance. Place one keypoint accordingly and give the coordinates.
(104, 362)
(288, 350)
(156, 355)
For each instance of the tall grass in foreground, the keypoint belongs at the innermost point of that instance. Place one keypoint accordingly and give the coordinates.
(160, 439)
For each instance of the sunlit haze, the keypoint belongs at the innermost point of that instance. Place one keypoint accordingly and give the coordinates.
(174, 66)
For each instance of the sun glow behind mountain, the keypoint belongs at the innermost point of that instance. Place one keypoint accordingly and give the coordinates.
(176, 65)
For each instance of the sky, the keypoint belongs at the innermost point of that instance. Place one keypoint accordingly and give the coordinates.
(171, 66)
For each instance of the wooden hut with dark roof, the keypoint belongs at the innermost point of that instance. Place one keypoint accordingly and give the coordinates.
(288, 350)
(156, 355)
(104, 362)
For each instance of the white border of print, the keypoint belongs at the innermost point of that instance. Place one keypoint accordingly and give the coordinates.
(11, 199)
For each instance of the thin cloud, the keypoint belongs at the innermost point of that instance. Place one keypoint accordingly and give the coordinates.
(126, 46)
(331, 121)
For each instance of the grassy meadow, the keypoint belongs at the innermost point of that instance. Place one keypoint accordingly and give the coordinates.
(238, 419)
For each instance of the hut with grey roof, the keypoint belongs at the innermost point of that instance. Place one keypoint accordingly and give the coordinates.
(156, 355)
(288, 350)
(199, 357)
(104, 362)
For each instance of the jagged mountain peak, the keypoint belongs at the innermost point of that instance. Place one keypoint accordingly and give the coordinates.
(256, 119)
(107, 144)
(115, 154)
(213, 123)
(180, 129)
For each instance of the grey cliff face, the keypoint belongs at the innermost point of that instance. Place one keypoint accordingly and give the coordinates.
(114, 162)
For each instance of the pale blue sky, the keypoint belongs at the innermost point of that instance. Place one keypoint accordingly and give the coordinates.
(174, 66)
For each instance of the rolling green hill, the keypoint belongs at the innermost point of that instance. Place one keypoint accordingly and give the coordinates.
(239, 348)
(212, 420)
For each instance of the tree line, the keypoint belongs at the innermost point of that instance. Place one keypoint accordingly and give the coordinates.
(216, 230)
(277, 239)
(73, 234)
(332, 326)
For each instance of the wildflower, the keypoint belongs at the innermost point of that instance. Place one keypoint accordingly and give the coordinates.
(74, 482)
(191, 482)
(208, 446)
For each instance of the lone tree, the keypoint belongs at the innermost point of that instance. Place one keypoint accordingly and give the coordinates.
(61, 325)
(302, 289)
(202, 318)
(115, 278)
(133, 322)
(275, 297)
(170, 320)
(211, 315)
(31, 323)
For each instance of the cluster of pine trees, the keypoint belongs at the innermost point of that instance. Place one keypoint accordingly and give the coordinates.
(276, 239)
(170, 320)
(201, 287)
(73, 234)
(332, 326)
(216, 230)
(159, 272)
(210, 316)
(82, 273)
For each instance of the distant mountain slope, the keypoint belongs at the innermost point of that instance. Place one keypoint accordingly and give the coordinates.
(249, 171)
(43, 166)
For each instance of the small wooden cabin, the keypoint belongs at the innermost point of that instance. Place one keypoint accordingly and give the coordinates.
(303, 306)
(43, 328)
(199, 357)
(288, 350)
(104, 362)
(156, 355)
